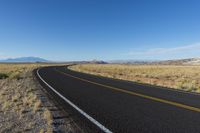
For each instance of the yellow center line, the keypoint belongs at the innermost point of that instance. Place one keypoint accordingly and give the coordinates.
(136, 94)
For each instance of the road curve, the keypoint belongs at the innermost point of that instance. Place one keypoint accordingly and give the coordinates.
(122, 106)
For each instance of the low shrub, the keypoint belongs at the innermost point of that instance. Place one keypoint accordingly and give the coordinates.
(3, 76)
(15, 75)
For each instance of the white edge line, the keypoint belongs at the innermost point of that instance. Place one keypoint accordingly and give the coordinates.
(76, 107)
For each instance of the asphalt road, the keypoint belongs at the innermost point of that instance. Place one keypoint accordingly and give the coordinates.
(122, 106)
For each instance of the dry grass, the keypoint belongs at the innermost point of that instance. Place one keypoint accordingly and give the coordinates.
(48, 116)
(37, 105)
(179, 77)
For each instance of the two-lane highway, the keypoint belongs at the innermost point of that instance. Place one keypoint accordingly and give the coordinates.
(122, 106)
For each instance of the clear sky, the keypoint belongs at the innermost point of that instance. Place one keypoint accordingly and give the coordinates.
(65, 30)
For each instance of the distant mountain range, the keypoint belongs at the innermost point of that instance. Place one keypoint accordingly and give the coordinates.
(24, 59)
(130, 61)
(189, 61)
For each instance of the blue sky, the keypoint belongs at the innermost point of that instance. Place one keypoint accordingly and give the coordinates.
(65, 30)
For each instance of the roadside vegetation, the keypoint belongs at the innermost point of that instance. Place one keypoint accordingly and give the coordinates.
(185, 78)
(24, 107)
